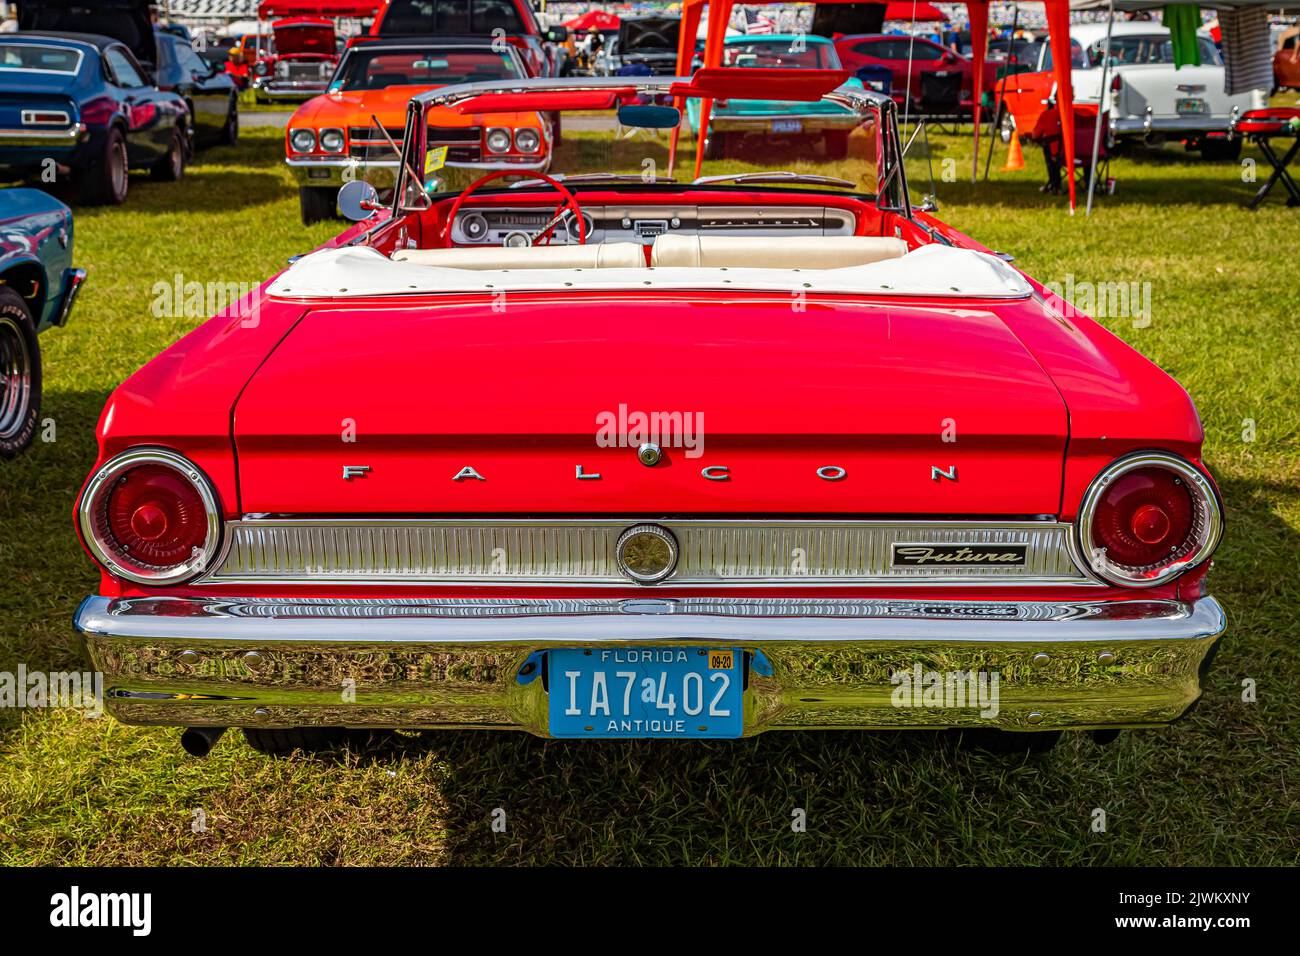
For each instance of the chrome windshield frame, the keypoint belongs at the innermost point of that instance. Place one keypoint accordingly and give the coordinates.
(891, 184)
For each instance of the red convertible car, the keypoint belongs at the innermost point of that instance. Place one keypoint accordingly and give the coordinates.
(300, 61)
(599, 453)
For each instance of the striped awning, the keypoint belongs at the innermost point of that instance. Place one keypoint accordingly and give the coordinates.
(211, 9)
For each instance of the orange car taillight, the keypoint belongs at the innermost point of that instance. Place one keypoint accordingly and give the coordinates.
(1147, 518)
(150, 515)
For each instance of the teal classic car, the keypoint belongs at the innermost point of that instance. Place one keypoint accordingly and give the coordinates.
(38, 284)
(734, 119)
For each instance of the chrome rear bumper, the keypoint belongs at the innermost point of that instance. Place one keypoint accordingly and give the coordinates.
(73, 279)
(812, 663)
(33, 136)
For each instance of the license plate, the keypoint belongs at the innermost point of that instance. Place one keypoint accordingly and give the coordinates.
(1189, 104)
(787, 126)
(646, 692)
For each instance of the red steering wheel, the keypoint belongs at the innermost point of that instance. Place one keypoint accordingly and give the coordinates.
(566, 199)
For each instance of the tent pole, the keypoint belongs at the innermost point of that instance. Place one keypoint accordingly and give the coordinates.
(1002, 90)
(1101, 102)
(907, 89)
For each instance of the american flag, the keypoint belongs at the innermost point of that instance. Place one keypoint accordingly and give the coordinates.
(756, 22)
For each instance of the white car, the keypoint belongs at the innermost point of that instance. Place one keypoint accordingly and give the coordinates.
(1150, 99)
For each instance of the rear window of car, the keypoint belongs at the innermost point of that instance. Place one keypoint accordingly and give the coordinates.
(473, 17)
(780, 53)
(45, 59)
(1148, 50)
(376, 70)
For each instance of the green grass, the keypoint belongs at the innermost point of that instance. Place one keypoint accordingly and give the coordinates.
(1217, 788)
(248, 103)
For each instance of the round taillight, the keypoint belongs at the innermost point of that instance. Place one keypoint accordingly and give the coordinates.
(1147, 518)
(150, 516)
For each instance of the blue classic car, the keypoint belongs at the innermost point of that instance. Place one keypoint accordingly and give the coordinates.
(81, 106)
(734, 119)
(37, 287)
(208, 90)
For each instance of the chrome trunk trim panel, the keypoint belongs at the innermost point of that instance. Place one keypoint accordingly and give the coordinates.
(275, 550)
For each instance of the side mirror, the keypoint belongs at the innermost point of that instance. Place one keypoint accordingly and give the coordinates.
(358, 200)
(557, 34)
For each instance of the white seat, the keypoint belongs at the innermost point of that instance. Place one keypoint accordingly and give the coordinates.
(608, 255)
(759, 252)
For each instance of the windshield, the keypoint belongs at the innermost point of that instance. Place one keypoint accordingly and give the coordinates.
(425, 66)
(784, 52)
(452, 17)
(619, 130)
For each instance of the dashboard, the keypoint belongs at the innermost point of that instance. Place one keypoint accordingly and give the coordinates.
(511, 226)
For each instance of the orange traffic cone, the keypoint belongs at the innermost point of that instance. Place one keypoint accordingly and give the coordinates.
(1015, 158)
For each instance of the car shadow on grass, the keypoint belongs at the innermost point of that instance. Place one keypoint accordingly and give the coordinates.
(1192, 180)
(1227, 190)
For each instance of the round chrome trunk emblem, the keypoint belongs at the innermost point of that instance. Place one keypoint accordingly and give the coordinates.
(646, 553)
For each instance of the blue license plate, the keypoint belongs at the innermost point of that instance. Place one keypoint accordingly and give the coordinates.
(787, 126)
(646, 692)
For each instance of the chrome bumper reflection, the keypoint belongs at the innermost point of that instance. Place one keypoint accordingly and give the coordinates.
(762, 123)
(28, 136)
(456, 663)
(1191, 123)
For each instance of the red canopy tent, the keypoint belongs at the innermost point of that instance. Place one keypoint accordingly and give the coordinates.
(906, 10)
(1058, 26)
(317, 8)
(593, 18)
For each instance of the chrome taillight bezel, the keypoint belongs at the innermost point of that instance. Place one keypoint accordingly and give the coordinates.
(1207, 527)
(94, 529)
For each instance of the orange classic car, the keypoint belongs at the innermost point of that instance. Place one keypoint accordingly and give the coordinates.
(1286, 61)
(350, 132)
(243, 57)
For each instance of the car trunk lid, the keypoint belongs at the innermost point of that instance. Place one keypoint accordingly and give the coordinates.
(303, 37)
(766, 404)
(34, 107)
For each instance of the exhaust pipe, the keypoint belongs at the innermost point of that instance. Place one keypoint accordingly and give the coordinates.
(199, 741)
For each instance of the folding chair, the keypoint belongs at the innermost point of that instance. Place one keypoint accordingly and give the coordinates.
(1085, 128)
(1259, 126)
(941, 96)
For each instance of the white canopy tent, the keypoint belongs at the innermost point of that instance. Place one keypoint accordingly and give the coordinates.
(1129, 6)
(1283, 7)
